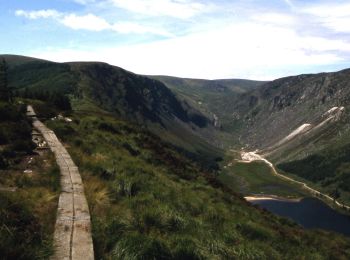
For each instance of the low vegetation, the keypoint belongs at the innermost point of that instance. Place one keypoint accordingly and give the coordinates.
(29, 185)
(329, 169)
(15, 134)
(258, 178)
(147, 201)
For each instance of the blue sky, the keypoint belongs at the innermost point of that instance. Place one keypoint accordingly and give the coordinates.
(210, 39)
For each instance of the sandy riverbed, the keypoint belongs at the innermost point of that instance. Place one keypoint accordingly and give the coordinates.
(271, 197)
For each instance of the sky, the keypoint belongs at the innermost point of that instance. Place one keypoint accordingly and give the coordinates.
(252, 39)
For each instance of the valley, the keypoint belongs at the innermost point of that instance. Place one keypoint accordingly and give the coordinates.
(249, 157)
(164, 161)
(299, 123)
(175, 130)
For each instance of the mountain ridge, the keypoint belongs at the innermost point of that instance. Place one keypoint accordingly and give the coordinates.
(147, 197)
(91, 85)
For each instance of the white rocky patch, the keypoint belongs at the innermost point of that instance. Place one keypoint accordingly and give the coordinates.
(334, 110)
(300, 130)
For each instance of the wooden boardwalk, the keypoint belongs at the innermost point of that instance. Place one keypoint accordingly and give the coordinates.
(72, 237)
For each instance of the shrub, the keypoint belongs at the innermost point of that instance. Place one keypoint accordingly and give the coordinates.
(3, 162)
(254, 231)
(137, 246)
(25, 146)
(17, 228)
(185, 248)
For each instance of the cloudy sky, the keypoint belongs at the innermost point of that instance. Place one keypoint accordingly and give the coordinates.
(255, 39)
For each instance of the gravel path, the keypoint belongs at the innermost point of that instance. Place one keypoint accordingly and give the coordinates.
(72, 237)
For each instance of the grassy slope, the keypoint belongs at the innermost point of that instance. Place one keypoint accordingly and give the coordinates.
(147, 200)
(112, 189)
(27, 215)
(257, 178)
(328, 169)
(145, 101)
(212, 97)
(93, 86)
(325, 161)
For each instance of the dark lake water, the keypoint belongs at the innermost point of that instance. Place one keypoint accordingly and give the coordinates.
(310, 213)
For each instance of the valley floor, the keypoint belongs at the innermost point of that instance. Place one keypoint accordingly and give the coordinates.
(256, 182)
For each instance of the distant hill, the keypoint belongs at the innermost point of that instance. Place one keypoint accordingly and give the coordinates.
(272, 112)
(109, 87)
(214, 98)
(149, 172)
(15, 60)
(98, 86)
(302, 123)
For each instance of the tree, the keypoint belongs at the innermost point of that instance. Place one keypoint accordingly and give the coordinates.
(5, 91)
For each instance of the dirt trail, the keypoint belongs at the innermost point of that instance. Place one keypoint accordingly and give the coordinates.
(72, 237)
(253, 156)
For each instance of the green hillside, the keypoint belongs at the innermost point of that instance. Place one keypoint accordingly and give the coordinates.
(329, 169)
(150, 179)
(215, 98)
(93, 86)
(148, 200)
(29, 186)
(268, 118)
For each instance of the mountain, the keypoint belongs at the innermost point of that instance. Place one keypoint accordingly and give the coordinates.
(296, 122)
(95, 86)
(214, 98)
(149, 196)
(294, 110)
(109, 87)
(301, 123)
(148, 201)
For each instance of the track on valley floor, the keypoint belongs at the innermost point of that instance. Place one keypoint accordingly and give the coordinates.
(253, 156)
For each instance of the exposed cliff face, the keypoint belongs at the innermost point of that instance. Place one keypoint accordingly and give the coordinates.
(135, 98)
(272, 112)
(132, 96)
(212, 97)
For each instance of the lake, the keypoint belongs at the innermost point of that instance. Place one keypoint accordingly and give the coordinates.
(309, 213)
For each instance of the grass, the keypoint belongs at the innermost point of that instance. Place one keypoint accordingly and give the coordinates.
(28, 199)
(327, 170)
(149, 201)
(258, 178)
(213, 96)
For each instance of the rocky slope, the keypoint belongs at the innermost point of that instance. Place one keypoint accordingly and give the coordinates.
(94, 86)
(214, 98)
(269, 115)
(302, 124)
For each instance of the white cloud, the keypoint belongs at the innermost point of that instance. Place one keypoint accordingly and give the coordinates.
(130, 27)
(239, 50)
(251, 44)
(49, 13)
(333, 16)
(85, 22)
(84, 2)
(275, 18)
(182, 9)
(340, 24)
(92, 22)
(329, 10)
